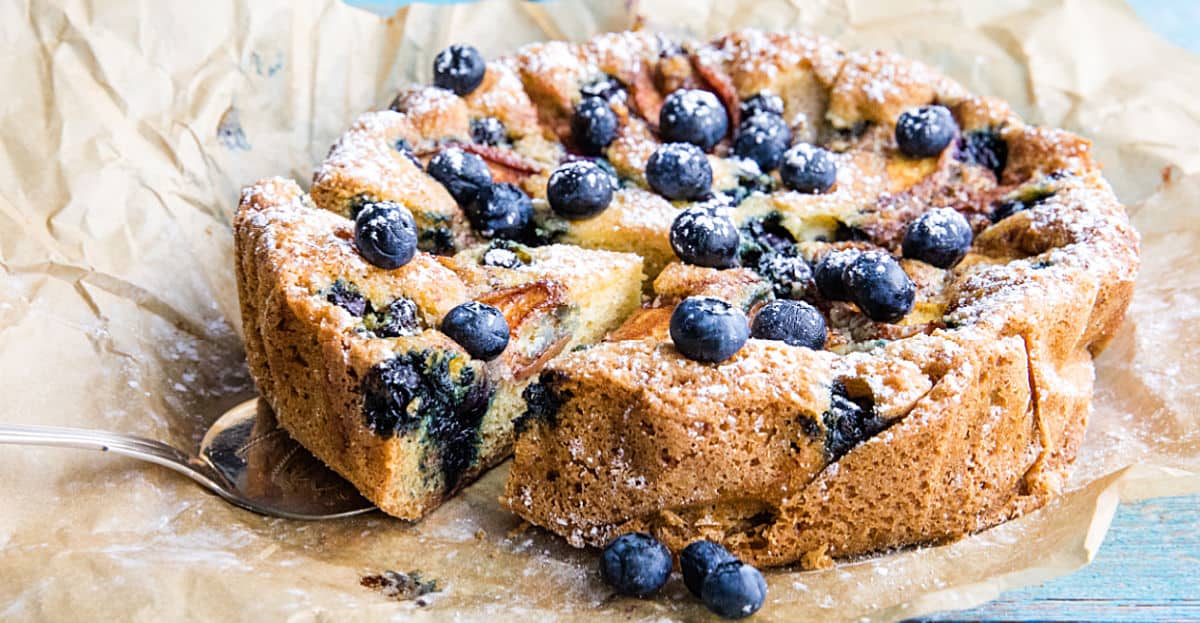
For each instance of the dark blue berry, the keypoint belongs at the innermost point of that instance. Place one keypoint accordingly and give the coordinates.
(708, 329)
(459, 68)
(984, 148)
(750, 180)
(830, 274)
(605, 87)
(788, 273)
(693, 116)
(406, 150)
(698, 559)
(849, 421)
(579, 190)
(763, 102)
(793, 322)
(431, 391)
(488, 131)
(702, 236)
(636, 564)
(501, 258)
(480, 329)
(924, 132)
(345, 295)
(385, 234)
(1005, 209)
(940, 237)
(593, 126)
(462, 173)
(500, 211)
(808, 169)
(401, 317)
(765, 235)
(880, 287)
(734, 590)
(679, 171)
(763, 138)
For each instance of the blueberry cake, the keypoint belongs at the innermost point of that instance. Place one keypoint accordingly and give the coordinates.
(799, 302)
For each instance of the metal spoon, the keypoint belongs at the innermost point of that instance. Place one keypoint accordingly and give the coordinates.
(245, 457)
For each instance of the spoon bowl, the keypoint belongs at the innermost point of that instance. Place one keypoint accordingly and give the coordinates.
(244, 457)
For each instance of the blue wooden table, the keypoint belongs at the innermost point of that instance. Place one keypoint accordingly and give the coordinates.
(1148, 568)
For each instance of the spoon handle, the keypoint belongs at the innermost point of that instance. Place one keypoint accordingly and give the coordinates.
(131, 446)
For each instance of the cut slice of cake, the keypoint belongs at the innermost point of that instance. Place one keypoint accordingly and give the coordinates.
(350, 357)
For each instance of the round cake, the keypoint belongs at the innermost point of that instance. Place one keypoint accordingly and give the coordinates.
(803, 302)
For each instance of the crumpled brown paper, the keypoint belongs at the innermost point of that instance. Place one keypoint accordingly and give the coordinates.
(127, 129)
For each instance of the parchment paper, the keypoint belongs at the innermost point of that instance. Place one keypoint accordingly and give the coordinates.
(126, 130)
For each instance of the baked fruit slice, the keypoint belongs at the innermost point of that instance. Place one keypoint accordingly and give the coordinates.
(350, 357)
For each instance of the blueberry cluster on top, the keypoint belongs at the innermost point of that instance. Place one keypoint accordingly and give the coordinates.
(692, 122)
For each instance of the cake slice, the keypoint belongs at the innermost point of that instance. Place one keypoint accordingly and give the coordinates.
(350, 358)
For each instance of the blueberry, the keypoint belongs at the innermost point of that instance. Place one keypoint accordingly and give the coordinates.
(698, 559)
(708, 329)
(808, 169)
(984, 148)
(924, 132)
(849, 421)
(940, 237)
(702, 236)
(830, 274)
(594, 125)
(501, 258)
(879, 286)
(406, 150)
(400, 318)
(788, 273)
(693, 116)
(579, 190)
(500, 211)
(679, 171)
(765, 235)
(385, 234)
(763, 138)
(459, 68)
(734, 590)
(488, 131)
(480, 329)
(763, 102)
(750, 180)
(792, 322)
(345, 295)
(605, 87)
(463, 174)
(1007, 208)
(636, 564)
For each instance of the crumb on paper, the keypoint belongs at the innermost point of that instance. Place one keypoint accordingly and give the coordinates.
(519, 529)
(401, 586)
